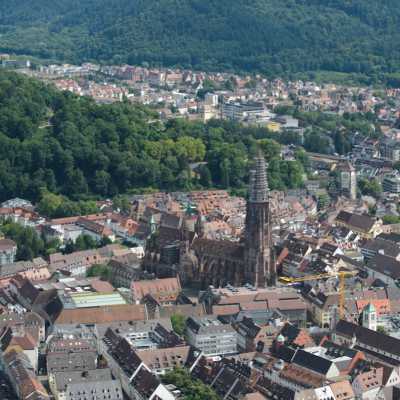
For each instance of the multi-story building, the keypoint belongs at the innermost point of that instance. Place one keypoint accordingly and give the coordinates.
(211, 99)
(391, 184)
(76, 385)
(347, 180)
(124, 270)
(165, 290)
(370, 248)
(22, 375)
(8, 251)
(374, 344)
(254, 337)
(211, 336)
(389, 149)
(241, 111)
(365, 226)
(71, 355)
(135, 376)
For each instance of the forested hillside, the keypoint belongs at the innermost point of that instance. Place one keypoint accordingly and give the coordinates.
(69, 145)
(271, 36)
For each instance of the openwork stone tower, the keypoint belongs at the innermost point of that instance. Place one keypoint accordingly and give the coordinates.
(260, 269)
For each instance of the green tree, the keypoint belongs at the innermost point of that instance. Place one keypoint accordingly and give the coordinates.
(83, 242)
(303, 158)
(100, 270)
(381, 329)
(391, 219)
(370, 187)
(49, 203)
(121, 202)
(192, 389)
(178, 322)
(322, 201)
(205, 176)
(29, 243)
(270, 148)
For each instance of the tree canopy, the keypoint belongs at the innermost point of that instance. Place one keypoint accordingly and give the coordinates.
(64, 151)
(272, 36)
(192, 389)
(29, 243)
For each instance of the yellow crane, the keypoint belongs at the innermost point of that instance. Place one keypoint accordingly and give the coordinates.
(342, 275)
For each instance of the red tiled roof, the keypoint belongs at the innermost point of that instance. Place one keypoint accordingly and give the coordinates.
(100, 315)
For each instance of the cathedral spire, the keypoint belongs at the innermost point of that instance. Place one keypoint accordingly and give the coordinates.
(258, 181)
(260, 267)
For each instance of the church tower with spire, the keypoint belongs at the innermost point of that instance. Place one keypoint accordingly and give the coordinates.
(260, 268)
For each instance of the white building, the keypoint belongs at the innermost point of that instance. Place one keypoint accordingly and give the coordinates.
(211, 336)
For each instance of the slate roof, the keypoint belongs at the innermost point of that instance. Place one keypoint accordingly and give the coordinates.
(250, 328)
(392, 237)
(312, 362)
(328, 248)
(285, 353)
(368, 337)
(223, 249)
(385, 265)
(122, 352)
(273, 390)
(227, 385)
(171, 221)
(361, 222)
(378, 246)
(145, 383)
(290, 332)
(336, 350)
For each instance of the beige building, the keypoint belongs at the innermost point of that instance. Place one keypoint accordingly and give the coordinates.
(366, 226)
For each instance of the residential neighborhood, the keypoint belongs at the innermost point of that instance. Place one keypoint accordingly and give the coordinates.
(288, 293)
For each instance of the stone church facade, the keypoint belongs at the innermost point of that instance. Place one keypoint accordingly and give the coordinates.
(220, 262)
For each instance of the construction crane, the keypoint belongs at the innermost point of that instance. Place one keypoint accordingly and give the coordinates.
(342, 275)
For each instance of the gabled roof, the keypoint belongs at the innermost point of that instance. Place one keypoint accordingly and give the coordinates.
(172, 357)
(109, 388)
(158, 288)
(122, 352)
(7, 244)
(335, 350)
(285, 353)
(360, 222)
(312, 362)
(249, 327)
(100, 315)
(371, 379)
(385, 265)
(290, 332)
(26, 289)
(171, 221)
(381, 246)
(369, 337)
(145, 383)
(219, 248)
(342, 390)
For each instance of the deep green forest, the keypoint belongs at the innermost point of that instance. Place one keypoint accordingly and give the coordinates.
(56, 142)
(276, 37)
